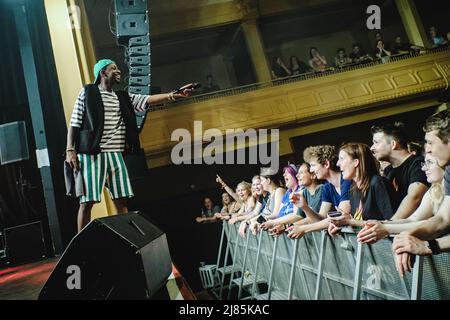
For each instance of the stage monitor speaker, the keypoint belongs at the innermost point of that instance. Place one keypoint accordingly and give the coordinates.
(13, 142)
(24, 243)
(117, 257)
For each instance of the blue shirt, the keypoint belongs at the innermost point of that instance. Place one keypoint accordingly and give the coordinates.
(330, 194)
(286, 206)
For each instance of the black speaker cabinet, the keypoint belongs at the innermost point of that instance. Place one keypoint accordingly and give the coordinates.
(13, 142)
(118, 257)
(24, 243)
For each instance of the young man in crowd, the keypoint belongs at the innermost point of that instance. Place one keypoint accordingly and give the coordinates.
(404, 172)
(335, 192)
(420, 240)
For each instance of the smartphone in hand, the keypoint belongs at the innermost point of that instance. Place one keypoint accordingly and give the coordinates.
(334, 214)
(261, 219)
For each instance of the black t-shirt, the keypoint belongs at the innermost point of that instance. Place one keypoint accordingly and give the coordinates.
(263, 199)
(380, 202)
(408, 172)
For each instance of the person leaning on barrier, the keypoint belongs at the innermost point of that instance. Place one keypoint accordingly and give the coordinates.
(371, 196)
(273, 204)
(437, 143)
(429, 206)
(261, 196)
(311, 193)
(243, 196)
(322, 160)
(229, 207)
(404, 171)
(209, 211)
(405, 245)
(286, 208)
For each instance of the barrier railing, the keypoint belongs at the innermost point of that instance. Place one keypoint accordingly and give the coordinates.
(318, 266)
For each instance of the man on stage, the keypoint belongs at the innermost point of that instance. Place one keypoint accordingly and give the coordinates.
(103, 128)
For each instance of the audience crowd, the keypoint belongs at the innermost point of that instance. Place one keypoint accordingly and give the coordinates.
(383, 51)
(344, 187)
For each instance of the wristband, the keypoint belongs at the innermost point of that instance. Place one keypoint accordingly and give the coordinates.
(433, 246)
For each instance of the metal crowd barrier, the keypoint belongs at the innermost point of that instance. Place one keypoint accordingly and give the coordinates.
(322, 267)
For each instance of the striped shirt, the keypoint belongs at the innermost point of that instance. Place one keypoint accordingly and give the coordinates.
(113, 138)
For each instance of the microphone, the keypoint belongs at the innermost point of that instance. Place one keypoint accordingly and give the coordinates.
(192, 86)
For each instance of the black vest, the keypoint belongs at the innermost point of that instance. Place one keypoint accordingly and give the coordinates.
(91, 130)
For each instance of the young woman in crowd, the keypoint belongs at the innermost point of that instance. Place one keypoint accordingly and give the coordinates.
(312, 192)
(429, 206)
(273, 204)
(380, 51)
(243, 196)
(316, 61)
(286, 207)
(372, 197)
(298, 67)
(209, 211)
(261, 196)
(229, 207)
(341, 59)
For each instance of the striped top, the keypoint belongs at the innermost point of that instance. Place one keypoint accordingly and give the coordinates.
(113, 138)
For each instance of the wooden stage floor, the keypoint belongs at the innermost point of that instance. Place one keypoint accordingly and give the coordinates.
(25, 282)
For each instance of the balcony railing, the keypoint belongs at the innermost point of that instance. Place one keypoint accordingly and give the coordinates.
(296, 78)
(296, 100)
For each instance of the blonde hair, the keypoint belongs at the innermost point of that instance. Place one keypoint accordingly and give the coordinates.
(436, 196)
(245, 185)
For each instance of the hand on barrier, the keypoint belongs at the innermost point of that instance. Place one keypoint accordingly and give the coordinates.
(277, 230)
(333, 230)
(404, 263)
(404, 242)
(232, 220)
(200, 219)
(254, 227)
(372, 232)
(268, 224)
(242, 229)
(296, 231)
